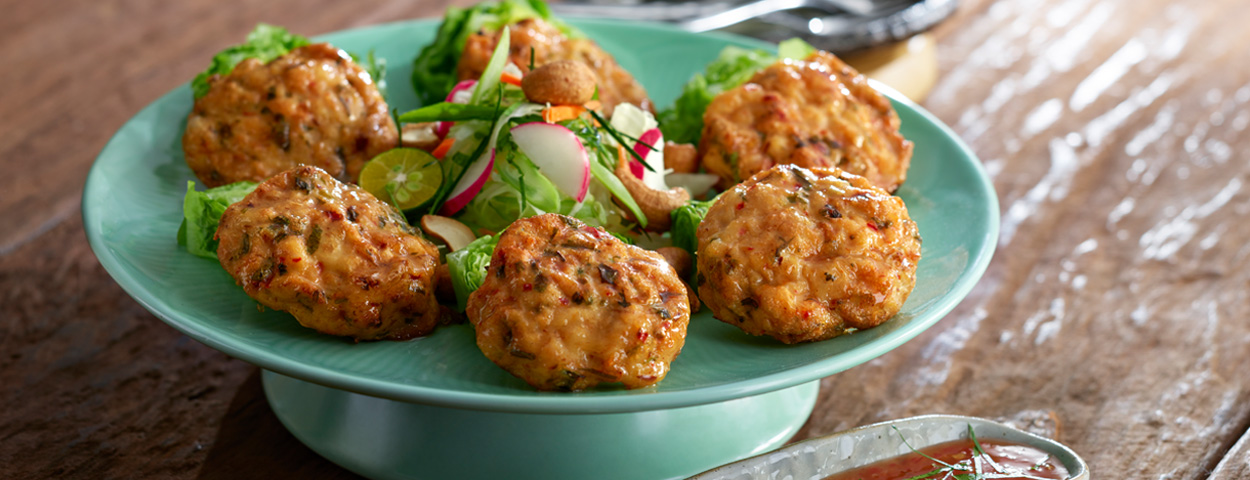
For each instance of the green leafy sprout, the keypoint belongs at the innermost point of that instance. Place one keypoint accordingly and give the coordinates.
(980, 467)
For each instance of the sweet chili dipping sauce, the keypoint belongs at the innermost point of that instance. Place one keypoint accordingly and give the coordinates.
(1006, 461)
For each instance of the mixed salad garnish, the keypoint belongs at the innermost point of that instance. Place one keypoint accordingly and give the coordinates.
(565, 136)
(513, 146)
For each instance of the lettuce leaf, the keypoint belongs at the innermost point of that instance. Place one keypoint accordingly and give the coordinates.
(683, 123)
(686, 219)
(795, 49)
(265, 43)
(434, 69)
(202, 211)
(468, 267)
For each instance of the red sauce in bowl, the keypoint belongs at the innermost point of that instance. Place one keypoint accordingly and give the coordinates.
(1016, 461)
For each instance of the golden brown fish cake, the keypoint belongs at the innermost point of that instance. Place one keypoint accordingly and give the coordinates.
(565, 307)
(615, 84)
(805, 255)
(814, 113)
(338, 259)
(312, 106)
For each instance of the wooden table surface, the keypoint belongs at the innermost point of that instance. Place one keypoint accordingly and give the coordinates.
(1115, 313)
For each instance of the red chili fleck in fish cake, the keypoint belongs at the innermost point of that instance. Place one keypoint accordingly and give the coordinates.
(805, 255)
(334, 256)
(566, 307)
(616, 85)
(814, 113)
(312, 106)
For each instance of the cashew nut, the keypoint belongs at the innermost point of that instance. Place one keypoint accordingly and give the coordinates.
(419, 135)
(681, 157)
(455, 234)
(656, 205)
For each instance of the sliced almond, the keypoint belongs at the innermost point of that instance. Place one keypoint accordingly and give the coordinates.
(455, 234)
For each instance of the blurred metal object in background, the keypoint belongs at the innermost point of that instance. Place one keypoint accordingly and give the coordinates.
(839, 26)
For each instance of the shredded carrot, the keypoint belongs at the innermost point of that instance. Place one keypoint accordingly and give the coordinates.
(592, 105)
(508, 78)
(441, 150)
(560, 113)
(621, 155)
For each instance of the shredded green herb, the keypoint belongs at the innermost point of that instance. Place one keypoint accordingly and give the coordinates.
(265, 43)
(619, 139)
(971, 469)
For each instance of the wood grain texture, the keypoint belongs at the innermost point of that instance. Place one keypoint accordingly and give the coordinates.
(1113, 316)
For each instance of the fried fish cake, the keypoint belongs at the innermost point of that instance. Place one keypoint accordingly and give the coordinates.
(805, 255)
(338, 259)
(312, 106)
(549, 44)
(815, 113)
(565, 307)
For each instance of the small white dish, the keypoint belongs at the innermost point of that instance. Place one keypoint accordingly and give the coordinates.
(821, 457)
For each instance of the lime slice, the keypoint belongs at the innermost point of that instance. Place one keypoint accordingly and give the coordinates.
(404, 177)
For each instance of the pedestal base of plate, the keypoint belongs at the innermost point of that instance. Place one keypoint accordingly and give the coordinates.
(387, 439)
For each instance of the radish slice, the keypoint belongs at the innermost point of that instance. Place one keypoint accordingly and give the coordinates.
(479, 171)
(558, 153)
(471, 183)
(695, 183)
(638, 123)
(649, 140)
(455, 95)
(459, 94)
(636, 168)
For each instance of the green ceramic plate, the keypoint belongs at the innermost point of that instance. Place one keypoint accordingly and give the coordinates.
(132, 208)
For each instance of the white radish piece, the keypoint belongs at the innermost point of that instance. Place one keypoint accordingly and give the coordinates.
(470, 183)
(635, 122)
(695, 183)
(558, 153)
(458, 94)
(513, 70)
(461, 92)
